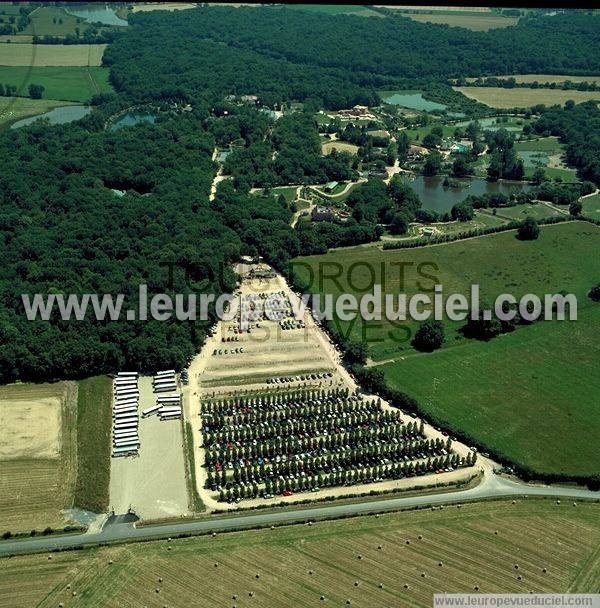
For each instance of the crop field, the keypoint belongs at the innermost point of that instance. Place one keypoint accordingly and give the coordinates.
(520, 212)
(69, 83)
(162, 6)
(37, 455)
(543, 78)
(498, 97)
(560, 259)
(41, 55)
(479, 23)
(451, 550)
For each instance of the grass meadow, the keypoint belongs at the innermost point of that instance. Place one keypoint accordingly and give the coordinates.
(499, 97)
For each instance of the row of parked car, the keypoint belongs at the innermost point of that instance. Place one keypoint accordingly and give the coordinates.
(226, 351)
(300, 378)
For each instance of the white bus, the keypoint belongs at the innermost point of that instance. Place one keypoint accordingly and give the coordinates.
(128, 433)
(127, 375)
(123, 424)
(122, 452)
(151, 410)
(132, 413)
(169, 399)
(166, 372)
(165, 389)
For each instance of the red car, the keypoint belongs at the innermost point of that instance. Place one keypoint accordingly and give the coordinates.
(287, 493)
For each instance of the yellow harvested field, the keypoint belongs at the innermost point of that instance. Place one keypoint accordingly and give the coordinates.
(543, 78)
(162, 6)
(40, 55)
(498, 97)
(30, 428)
(340, 146)
(477, 23)
(37, 454)
(452, 550)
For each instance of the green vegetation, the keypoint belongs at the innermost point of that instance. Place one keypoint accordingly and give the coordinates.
(94, 418)
(336, 9)
(530, 396)
(69, 83)
(476, 546)
(196, 504)
(559, 259)
(591, 206)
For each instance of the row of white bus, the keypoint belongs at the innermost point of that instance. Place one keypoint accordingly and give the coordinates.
(164, 382)
(126, 441)
(168, 407)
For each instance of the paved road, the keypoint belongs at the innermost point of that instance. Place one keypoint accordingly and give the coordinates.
(121, 531)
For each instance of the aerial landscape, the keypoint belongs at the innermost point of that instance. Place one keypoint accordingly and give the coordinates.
(299, 305)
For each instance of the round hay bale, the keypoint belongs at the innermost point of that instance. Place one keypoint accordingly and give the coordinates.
(216, 565)
(169, 539)
(169, 548)
(251, 594)
(110, 562)
(379, 547)
(348, 602)
(440, 564)
(74, 594)
(311, 572)
(381, 585)
(476, 588)
(406, 585)
(214, 534)
(514, 502)
(234, 597)
(359, 556)
(407, 542)
(423, 574)
(558, 502)
(69, 586)
(420, 537)
(376, 515)
(322, 598)
(160, 579)
(49, 557)
(257, 575)
(544, 570)
(272, 527)
(519, 578)
(516, 566)
(574, 504)
(496, 532)
(60, 605)
(356, 583)
(157, 590)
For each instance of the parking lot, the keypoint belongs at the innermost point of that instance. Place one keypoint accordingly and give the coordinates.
(152, 484)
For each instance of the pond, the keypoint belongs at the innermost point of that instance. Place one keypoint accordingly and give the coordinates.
(57, 116)
(132, 118)
(97, 14)
(410, 99)
(434, 196)
(491, 124)
(533, 158)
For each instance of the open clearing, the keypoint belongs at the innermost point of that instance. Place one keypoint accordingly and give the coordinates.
(498, 97)
(478, 23)
(14, 108)
(340, 146)
(39, 55)
(37, 455)
(72, 83)
(337, 9)
(556, 548)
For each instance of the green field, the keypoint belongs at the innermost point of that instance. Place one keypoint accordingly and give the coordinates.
(42, 55)
(560, 259)
(591, 206)
(70, 83)
(93, 443)
(457, 550)
(520, 212)
(531, 395)
(15, 108)
(53, 21)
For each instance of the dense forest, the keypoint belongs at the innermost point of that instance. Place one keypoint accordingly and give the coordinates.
(282, 54)
(87, 210)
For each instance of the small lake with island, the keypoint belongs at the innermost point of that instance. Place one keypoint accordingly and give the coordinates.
(435, 197)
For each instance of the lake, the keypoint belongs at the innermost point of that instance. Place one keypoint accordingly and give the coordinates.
(434, 196)
(410, 99)
(491, 124)
(132, 118)
(97, 13)
(57, 116)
